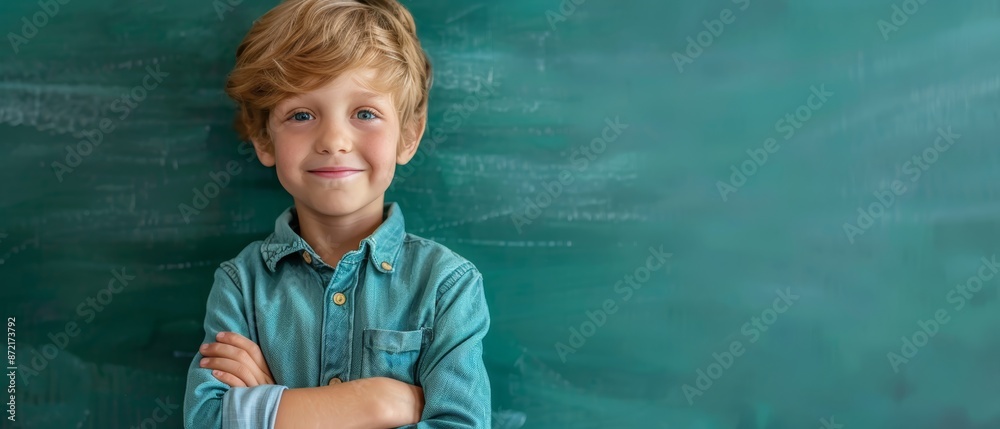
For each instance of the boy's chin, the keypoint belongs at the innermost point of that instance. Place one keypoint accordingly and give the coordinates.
(332, 207)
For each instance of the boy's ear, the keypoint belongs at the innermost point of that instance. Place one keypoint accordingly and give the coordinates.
(410, 140)
(265, 152)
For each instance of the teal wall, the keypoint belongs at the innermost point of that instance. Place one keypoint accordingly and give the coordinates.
(780, 305)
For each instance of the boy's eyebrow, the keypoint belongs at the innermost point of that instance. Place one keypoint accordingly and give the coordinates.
(368, 94)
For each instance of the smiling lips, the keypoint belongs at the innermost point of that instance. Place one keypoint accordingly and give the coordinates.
(335, 172)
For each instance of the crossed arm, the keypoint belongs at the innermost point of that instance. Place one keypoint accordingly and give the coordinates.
(362, 404)
(240, 383)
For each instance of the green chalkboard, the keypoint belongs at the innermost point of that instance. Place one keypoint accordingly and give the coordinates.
(723, 214)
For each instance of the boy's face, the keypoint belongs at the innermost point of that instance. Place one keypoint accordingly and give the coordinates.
(335, 149)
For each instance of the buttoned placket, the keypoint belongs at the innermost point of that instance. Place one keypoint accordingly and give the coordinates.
(338, 321)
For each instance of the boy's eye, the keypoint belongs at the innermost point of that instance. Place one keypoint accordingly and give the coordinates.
(301, 116)
(366, 115)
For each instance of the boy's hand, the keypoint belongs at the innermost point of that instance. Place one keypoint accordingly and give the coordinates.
(236, 361)
(402, 403)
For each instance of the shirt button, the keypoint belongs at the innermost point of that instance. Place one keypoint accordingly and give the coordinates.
(335, 380)
(307, 257)
(386, 266)
(339, 298)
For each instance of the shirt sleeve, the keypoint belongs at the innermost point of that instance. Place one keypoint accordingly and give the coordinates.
(452, 373)
(210, 403)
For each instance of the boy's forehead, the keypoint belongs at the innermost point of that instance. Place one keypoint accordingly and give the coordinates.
(351, 84)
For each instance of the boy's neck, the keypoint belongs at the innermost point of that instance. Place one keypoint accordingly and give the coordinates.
(333, 236)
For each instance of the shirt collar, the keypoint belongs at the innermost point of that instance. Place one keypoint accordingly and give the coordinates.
(384, 244)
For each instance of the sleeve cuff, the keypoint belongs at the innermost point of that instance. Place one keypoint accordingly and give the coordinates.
(251, 407)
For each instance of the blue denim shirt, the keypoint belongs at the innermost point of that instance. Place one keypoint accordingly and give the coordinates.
(399, 306)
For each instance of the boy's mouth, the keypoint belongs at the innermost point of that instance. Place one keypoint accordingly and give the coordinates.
(335, 172)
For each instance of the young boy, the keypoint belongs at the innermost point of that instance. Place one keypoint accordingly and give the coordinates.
(338, 319)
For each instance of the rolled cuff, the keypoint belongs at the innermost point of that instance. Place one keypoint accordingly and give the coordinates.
(251, 407)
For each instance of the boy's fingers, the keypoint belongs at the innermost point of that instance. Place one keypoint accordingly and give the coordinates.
(237, 340)
(231, 380)
(222, 350)
(227, 351)
(232, 367)
(218, 350)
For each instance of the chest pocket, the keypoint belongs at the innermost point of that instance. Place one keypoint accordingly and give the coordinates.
(393, 354)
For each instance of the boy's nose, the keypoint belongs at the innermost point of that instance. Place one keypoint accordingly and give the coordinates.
(334, 138)
(329, 148)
